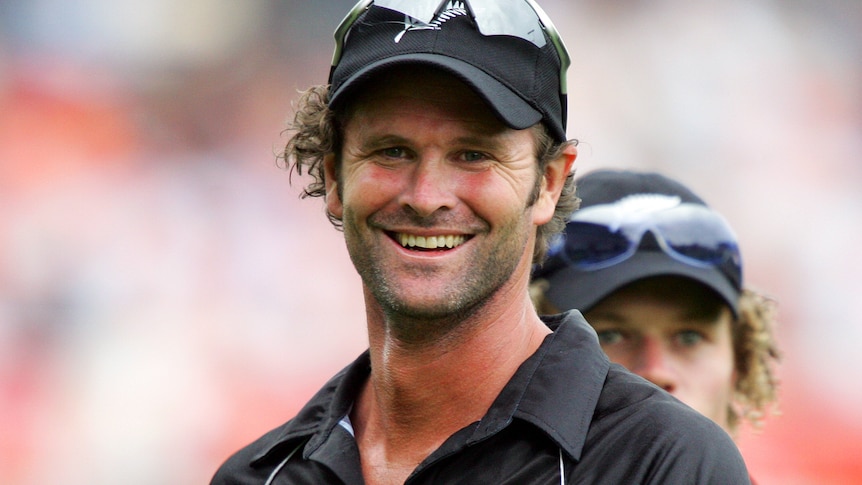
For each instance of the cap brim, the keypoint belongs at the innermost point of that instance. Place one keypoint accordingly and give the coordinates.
(512, 110)
(572, 288)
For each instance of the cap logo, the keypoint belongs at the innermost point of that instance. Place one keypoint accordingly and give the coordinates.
(453, 9)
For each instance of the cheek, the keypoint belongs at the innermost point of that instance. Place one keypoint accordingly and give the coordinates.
(714, 371)
(494, 191)
(621, 354)
(369, 187)
(716, 395)
(722, 359)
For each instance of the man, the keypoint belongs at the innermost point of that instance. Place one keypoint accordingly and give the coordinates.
(440, 149)
(659, 276)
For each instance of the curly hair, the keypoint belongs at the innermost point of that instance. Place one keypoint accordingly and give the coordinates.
(755, 351)
(317, 131)
(756, 356)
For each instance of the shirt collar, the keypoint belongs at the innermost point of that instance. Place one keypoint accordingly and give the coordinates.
(316, 420)
(556, 390)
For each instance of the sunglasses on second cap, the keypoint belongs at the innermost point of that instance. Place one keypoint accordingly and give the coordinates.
(603, 235)
(518, 18)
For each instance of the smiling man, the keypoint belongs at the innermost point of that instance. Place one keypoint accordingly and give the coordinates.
(440, 148)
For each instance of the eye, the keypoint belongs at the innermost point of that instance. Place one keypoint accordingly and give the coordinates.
(689, 338)
(394, 152)
(471, 156)
(609, 337)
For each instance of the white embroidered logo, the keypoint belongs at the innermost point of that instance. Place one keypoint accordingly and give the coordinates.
(453, 9)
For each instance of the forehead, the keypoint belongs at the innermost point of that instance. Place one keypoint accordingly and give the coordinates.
(417, 90)
(689, 297)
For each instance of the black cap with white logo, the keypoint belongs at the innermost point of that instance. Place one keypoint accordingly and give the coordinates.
(506, 51)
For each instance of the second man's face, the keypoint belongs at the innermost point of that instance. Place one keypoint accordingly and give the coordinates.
(675, 333)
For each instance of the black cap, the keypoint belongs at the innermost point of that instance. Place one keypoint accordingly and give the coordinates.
(574, 288)
(520, 80)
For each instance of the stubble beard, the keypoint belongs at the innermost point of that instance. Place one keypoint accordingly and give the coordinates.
(459, 304)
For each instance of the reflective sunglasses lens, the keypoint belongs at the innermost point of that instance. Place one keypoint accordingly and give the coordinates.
(516, 19)
(697, 233)
(594, 245)
(710, 255)
(344, 27)
(422, 10)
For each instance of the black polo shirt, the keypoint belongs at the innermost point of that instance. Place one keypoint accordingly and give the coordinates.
(566, 411)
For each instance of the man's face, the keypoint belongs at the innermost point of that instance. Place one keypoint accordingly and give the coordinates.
(673, 332)
(434, 196)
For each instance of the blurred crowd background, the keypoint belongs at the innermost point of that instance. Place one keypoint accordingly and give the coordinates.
(166, 297)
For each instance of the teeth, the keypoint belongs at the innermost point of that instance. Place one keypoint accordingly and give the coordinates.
(430, 242)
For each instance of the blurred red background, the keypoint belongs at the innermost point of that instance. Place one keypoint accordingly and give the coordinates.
(166, 297)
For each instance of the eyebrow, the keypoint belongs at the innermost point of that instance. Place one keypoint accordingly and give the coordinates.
(491, 139)
(707, 314)
(371, 141)
(698, 318)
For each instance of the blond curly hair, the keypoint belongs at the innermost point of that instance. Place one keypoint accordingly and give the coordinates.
(756, 356)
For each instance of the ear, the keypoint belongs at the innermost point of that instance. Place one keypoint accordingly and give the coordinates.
(553, 181)
(333, 200)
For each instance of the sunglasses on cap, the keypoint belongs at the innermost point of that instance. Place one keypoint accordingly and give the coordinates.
(604, 235)
(518, 18)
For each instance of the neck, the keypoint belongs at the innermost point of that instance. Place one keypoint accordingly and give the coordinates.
(476, 358)
(420, 393)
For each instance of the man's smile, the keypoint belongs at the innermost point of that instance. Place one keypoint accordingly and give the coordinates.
(412, 241)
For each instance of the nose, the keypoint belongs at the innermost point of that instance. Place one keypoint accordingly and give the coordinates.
(430, 188)
(655, 364)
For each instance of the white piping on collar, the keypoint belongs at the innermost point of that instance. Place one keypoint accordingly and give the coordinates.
(562, 469)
